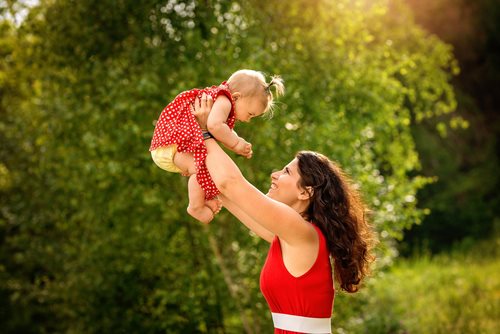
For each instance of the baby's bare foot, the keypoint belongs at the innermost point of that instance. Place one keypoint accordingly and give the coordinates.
(214, 204)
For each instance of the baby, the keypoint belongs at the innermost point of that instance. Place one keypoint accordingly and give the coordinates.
(178, 141)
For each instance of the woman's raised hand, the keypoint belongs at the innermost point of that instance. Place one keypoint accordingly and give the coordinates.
(201, 109)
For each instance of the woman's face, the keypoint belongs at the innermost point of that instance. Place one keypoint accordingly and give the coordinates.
(284, 184)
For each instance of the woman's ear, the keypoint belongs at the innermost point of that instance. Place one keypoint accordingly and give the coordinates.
(306, 193)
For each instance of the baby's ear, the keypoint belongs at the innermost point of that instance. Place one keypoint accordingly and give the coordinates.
(236, 95)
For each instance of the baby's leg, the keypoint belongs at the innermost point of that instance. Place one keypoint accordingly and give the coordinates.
(197, 207)
(185, 162)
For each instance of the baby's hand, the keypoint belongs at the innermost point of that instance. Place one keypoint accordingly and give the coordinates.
(243, 148)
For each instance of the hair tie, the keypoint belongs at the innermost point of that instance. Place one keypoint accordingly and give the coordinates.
(268, 87)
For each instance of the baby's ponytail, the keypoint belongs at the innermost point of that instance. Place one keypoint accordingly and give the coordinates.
(277, 82)
(279, 88)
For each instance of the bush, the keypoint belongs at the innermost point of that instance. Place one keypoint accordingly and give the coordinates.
(448, 293)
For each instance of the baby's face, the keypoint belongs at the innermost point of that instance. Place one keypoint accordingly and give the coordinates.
(246, 108)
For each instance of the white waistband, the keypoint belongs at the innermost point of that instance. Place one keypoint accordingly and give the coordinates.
(302, 324)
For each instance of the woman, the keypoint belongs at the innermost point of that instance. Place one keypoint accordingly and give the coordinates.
(310, 214)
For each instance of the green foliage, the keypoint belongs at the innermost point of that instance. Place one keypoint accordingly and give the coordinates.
(455, 293)
(461, 149)
(95, 238)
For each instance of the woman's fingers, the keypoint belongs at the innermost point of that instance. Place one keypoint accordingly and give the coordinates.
(202, 104)
(203, 100)
(201, 109)
(206, 101)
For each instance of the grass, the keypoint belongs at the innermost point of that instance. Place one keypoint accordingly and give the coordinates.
(458, 292)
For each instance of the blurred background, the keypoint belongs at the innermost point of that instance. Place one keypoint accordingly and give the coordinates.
(94, 237)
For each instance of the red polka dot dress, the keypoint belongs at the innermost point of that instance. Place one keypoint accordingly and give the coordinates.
(177, 125)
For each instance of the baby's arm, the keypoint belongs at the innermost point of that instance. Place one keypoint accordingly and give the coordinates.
(216, 125)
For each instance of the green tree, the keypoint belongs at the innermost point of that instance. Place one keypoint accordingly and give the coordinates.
(96, 238)
(464, 200)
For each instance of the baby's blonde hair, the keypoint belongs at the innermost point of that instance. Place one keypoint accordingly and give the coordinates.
(250, 83)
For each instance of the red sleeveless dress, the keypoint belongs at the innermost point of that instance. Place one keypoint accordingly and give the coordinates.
(177, 125)
(309, 295)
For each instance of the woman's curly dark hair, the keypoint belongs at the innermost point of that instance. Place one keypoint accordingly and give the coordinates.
(337, 209)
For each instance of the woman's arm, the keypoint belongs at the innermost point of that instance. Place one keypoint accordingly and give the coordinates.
(274, 216)
(263, 215)
(246, 220)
